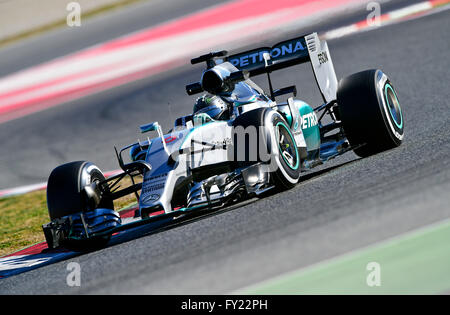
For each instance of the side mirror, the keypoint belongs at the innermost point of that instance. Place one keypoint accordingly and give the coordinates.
(149, 127)
(194, 88)
(155, 127)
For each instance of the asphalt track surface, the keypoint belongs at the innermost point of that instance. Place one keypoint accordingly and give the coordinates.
(87, 129)
(344, 205)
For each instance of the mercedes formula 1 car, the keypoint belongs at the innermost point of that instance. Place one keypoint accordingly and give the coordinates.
(239, 143)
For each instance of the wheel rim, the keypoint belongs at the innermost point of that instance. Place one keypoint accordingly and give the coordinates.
(287, 147)
(393, 106)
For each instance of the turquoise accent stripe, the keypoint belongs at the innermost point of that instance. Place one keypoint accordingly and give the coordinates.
(389, 87)
(251, 100)
(295, 147)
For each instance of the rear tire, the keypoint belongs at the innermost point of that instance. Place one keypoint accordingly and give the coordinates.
(370, 112)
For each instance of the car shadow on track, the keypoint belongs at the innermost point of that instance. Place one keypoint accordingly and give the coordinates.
(151, 229)
(63, 254)
(314, 174)
(142, 231)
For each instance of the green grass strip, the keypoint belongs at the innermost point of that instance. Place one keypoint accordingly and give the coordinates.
(63, 22)
(416, 263)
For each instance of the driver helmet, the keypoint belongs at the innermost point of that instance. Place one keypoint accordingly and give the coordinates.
(212, 105)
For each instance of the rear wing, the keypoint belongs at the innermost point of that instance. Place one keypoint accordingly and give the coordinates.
(283, 55)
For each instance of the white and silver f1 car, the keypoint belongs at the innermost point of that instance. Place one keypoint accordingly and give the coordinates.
(239, 143)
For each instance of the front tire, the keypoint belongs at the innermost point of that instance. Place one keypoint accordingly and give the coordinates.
(275, 145)
(370, 112)
(285, 153)
(65, 195)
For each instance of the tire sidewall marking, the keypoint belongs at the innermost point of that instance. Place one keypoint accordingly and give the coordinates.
(387, 87)
(295, 147)
(380, 87)
(270, 121)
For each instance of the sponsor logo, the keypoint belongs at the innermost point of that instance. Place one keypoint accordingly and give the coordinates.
(256, 58)
(153, 184)
(151, 198)
(153, 187)
(309, 120)
(157, 177)
(170, 139)
(225, 142)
